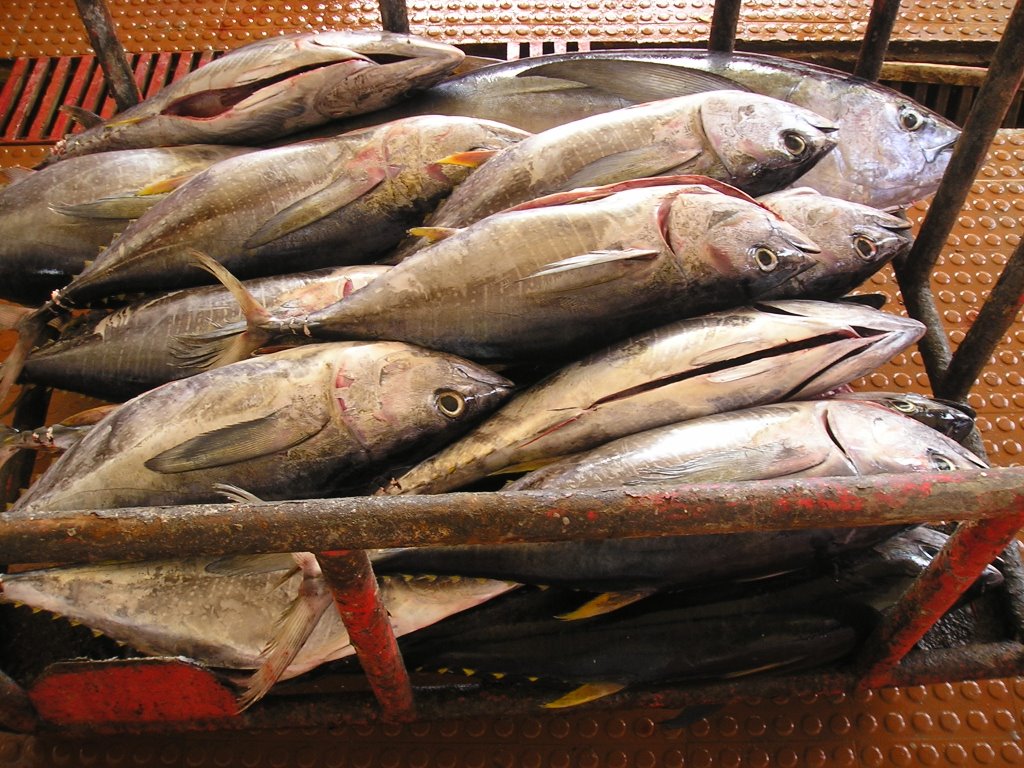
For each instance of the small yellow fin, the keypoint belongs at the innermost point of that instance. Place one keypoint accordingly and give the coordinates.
(163, 186)
(433, 234)
(471, 159)
(584, 694)
(604, 603)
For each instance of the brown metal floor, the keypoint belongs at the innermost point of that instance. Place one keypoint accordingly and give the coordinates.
(959, 724)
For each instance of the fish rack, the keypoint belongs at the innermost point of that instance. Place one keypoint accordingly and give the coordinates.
(988, 505)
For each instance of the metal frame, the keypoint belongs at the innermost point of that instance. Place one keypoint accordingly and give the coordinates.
(990, 503)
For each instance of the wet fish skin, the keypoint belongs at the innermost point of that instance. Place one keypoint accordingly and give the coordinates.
(292, 424)
(855, 240)
(543, 280)
(723, 361)
(272, 88)
(345, 200)
(56, 220)
(752, 142)
(116, 356)
(954, 420)
(822, 438)
(179, 607)
(891, 151)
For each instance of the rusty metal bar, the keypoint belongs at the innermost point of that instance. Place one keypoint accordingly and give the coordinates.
(394, 16)
(993, 321)
(876, 38)
(468, 518)
(354, 587)
(724, 21)
(16, 711)
(971, 547)
(118, 72)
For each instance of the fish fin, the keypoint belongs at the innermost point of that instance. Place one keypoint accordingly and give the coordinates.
(90, 416)
(526, 466)
(291, 633)
(247, 565)
(225, 344)
(82, 116)
(473, 158)
(236, 494)
(636, 81)
(763, 668)
(31, 329)
(163, 186)
(314, 207)
(593, 259)
(584, 694)
(11, 315)
(873, 300)
(245, 441)
(433, 234)
(652, 160)
(605, 603)
(14, 174)
(746, 370)
(105, 208)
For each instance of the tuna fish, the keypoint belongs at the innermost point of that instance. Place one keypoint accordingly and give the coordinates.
(293, 424)
(823, 438)
(226, 619)
(891, 151)
(954, 420)
(855, 240)
(552, 277)
(116, 356)
(723, 361)
(55, 221)
(272, 88)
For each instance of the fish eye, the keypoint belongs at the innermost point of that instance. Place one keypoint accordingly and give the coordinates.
(794, 144)
(903, 406)
(941, 463)
(450, 403)
(865, 247)
(910, 119)
(766, 259)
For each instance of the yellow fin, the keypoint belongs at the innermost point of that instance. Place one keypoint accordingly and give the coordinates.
(165, 185)
(585, 693)
(604, 603)
(471, 159)
(433, 234)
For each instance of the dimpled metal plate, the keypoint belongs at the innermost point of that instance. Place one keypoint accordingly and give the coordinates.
(52, 27)
(974, 724)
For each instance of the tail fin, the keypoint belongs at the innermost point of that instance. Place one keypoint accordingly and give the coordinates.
(31, 330)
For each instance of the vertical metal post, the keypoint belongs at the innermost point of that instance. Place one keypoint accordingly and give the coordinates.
(876, 38)
(118, 73)
(354, 587)
(394, 16)
(723, 26)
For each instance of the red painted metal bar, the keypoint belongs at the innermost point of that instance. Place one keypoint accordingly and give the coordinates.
(724, 21)
(95, 99)
(9, 95)
(357, 597)
(876, 38)
(955, 568)
(47, 111)
(99, 26)
(75, 95)
(184, 65)
(35, 86)
(160, 67)
(368, 522)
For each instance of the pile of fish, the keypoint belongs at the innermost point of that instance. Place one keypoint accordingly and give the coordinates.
(644, 284)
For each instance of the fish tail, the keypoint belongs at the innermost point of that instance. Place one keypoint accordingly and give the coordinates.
(11, 315)
(31, 329)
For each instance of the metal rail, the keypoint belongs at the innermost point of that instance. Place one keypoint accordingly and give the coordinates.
(994, 500)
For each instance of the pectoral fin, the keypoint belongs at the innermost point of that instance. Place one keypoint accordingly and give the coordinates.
(584, 694)
(82, 116)
(636, 81)
(244, 441)
(290, 634)
(247, 565)
(652, 160)
(124, 207)
(595, 259)
(316, 206)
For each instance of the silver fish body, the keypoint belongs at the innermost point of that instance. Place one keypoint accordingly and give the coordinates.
(890, 150)
(756, 143)
(723, 361)
(823, 438)
(56, 220)
(116, 356)
(855, 240)
(345, 200)
(291, 424)
(272, 88)
(550, 279)
(181, 608)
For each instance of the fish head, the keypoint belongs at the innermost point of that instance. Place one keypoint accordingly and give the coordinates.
(836, 343)
(764, 143)
(856, 241)
(954, 420)
(738, 238)
(426, 392)
(876, 440)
